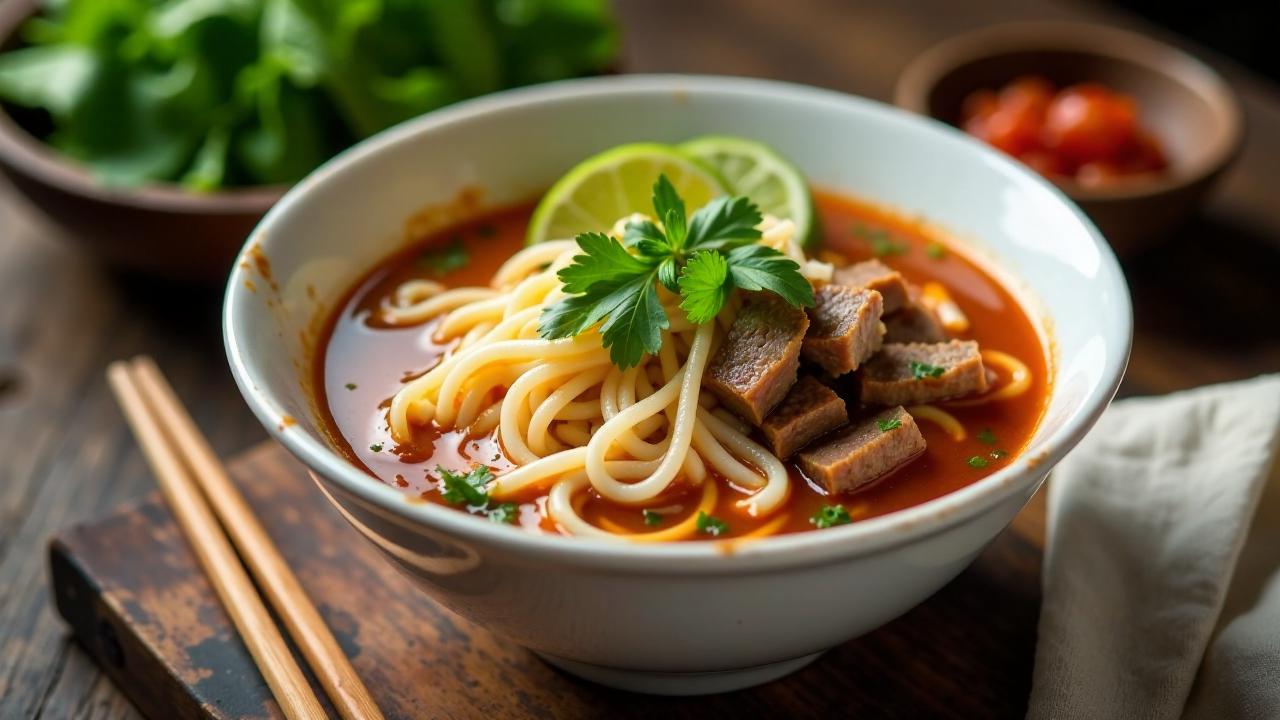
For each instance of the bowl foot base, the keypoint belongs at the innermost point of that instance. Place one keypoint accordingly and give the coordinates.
(680, 683)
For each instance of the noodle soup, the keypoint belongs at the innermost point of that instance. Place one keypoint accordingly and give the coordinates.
(385, 338)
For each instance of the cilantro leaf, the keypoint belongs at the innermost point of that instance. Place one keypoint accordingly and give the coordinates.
(458, 489)
(604, 259)
(756, 267)
(922, 370)
(616, 282)
(887, 425)
(651, 518)
(977, 461)
(830, 516)
(636, 323)
(723, 223)
(504, 513)
(705, 286)
(711, 525)
(987, 437)
(670, 210)
(444, 260)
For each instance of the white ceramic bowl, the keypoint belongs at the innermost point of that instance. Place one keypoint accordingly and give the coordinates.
(691, 617)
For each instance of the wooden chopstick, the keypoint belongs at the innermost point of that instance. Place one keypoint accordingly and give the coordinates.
(178, 431)
(211, 547)
(269, 568)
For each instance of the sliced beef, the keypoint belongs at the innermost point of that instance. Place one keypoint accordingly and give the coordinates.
(875, 275)
(844, 328)
(863, 451)
(809, 411)
(912, 373)
(756, 364)
(913, 324)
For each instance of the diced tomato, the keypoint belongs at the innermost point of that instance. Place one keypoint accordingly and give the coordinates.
(1089, 122)
(1087, 130)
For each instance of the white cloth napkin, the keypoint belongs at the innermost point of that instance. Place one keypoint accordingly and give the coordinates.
(1160, 601)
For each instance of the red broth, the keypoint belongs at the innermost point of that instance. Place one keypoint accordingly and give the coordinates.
(362, 363)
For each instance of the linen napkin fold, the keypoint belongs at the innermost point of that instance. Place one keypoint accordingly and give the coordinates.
(1147, 520)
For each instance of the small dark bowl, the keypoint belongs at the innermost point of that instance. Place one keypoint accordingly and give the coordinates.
(1187, 105)
(160, 230)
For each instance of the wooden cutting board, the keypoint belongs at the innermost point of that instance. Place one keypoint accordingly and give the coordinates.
(135, 599)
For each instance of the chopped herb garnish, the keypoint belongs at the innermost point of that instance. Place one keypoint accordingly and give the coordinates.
(442, 261)
(504, 513)
(651, 518)
(986, 437)
(350, 386)
(935, 250)
(711, 525)
(920, 370)
(997, 454)
(830, 516)
(468, 489)
(880, 241)
(703, 258)
(376, 447)
(977, 461)
(883, 247)
(887, 425)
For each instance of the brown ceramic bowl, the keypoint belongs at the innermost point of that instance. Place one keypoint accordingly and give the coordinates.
(160, 230)
(1188, 106)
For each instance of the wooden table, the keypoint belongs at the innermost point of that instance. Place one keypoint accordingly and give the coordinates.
(1202, 302)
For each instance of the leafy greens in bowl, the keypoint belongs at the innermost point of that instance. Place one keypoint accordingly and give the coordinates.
(226, 93)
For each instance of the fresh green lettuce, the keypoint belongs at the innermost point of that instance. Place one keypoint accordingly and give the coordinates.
(217, 93)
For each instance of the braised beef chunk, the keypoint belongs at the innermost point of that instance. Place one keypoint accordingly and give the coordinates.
(912, 373)
(756, 364)
(863, 451)
(875, 275)
(844, 328)
(809, 411)
(913, 324)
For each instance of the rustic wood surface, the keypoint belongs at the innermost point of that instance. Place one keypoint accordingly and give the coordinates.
(131, 589)
(1204, 304)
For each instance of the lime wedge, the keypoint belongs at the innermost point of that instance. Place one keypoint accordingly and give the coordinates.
(757, 171)
(617, 182)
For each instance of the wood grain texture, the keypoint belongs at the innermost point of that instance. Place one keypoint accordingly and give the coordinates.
(130, 587)
(65, 456)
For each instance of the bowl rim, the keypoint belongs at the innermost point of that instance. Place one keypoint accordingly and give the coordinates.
(724, 556)
(918, 79)
(25, 154)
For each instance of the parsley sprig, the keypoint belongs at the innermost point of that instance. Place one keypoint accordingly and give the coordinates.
(702, 258)
(471, 490)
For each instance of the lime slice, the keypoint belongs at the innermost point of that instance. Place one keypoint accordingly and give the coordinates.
(617, 182)
(755, 170)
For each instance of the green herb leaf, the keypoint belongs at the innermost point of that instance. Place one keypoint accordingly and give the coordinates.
(723, 223)
(977, 461)
(442, 261)
(830, 515)
(504, 513)
(986, 437)
(711, 525)
(997, 454)
(376, 447)
(670, 209)
(705, 286)
(616, 282)
(890, 424)
(636, 323)
(350, 386)
(756, 267)
(651, 518)
(936, 250)
(604, 260)
(920, 370)
(466, 489)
